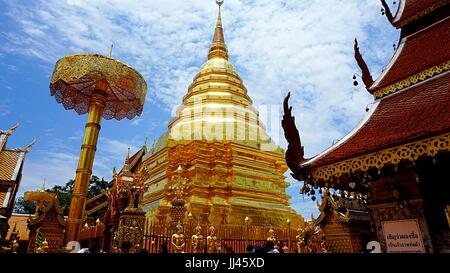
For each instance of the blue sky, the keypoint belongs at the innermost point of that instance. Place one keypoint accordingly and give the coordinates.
(305, 47)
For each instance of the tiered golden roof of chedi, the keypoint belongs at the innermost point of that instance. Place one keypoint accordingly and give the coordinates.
(231, 166)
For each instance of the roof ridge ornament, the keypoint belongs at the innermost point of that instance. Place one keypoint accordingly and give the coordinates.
(28, 147)
(295, 151)
(386, 10)
(9, 132)
(366, 77)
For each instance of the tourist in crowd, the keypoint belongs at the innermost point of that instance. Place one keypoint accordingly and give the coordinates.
(270, 248)
(96, 246)
(126, 246)
(229, 249)
(84, 247)
(250, 249)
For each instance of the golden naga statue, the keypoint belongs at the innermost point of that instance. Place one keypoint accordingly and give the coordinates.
(211, 240)
(323, 245)
(41, 242)
(306, 236)
(197, 240)
(178, 239)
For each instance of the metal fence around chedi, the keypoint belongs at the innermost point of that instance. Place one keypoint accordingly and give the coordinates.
(234, 236)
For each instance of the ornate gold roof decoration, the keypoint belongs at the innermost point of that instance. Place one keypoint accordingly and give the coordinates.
(411, 151)
(421, 76)
(74, 78)
(423, 13)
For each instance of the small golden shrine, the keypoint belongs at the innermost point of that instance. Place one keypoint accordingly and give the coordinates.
(47, 223)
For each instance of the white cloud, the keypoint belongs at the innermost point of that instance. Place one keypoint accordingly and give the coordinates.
(277, 46)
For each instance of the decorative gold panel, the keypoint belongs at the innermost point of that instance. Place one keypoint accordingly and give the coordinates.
(428, 73)
(411, 151)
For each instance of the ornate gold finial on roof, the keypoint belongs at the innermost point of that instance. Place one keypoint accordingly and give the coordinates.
(28, 147)
(114, 171)
(218, 47)
(43, 186)
(9, 132)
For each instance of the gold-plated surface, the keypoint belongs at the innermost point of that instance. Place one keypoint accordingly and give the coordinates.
(421, 76)
(84, 169)
(74, 78)
(233, 168)
(411, 151)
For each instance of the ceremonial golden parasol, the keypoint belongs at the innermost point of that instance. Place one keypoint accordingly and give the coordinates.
(102, 87)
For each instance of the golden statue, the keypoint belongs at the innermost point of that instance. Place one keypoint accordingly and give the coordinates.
(41, 242)
(211, 240)
(272, 237)
(178, 239)
(300, 240)
(197, 240)
(13, 242)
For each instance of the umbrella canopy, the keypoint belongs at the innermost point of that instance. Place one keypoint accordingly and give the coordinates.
(74, 78)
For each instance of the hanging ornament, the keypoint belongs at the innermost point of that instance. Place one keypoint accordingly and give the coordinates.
(355, 82)
(434, 161)
(313, 192)
(313, 198)
(382, 11)
(396, 168)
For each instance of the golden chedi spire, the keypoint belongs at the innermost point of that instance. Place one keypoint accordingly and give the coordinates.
(218, 47)
(217, 106)
(231, 166)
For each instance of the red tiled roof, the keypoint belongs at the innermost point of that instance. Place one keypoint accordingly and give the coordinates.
(413, 8)
(20, 220)
(416, 113)
(420, 51)
(9, 163)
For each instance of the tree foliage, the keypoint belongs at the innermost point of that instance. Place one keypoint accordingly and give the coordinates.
(96, 187)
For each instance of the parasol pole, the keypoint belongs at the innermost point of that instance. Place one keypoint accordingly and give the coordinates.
(85, 162)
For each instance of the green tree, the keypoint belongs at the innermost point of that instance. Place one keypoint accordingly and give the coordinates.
(96, 187)
(23, 207)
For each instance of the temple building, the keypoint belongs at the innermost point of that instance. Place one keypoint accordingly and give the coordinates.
(11, 165)
(397, 158)
(229, 164)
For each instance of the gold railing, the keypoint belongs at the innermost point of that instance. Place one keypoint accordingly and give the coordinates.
(234, 236)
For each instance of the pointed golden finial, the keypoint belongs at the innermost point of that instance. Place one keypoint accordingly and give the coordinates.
(128, 155)
(43, 186)
(179, 169)
(219, 17)
(114, 171)
(110, 51)
(218, 47)
(28, 147)
(9, 132)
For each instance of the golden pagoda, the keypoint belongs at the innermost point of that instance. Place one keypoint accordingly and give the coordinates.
(218, 148)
